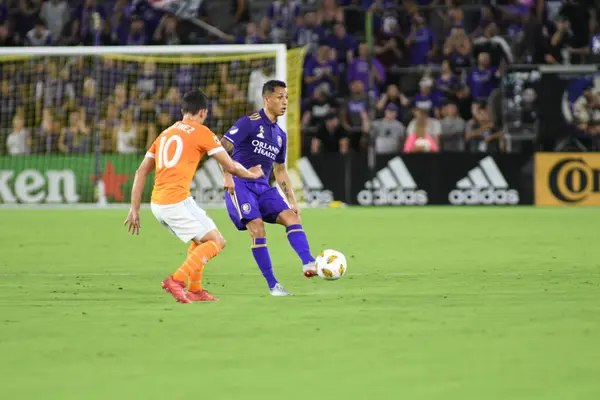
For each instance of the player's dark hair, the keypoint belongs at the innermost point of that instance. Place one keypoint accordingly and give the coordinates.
(270, 86)
(194, 101)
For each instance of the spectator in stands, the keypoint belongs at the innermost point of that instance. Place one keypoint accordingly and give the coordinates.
(452, 15)
(322, 70)
(427, 98)
(392, 96)
(184, 77)
(483, 78)
(166, 32)
(171, 105)
(423, 131)
(3, 12)
(87, 23)
(8, 103)
(127, 135)
(75, 137)
(453, 128)
(281, 17)
(6, 37)
(387, 132)
(473, 123)
(150, 81)
(260, 75)
(329, 14)
(494, 45)
(51, 89)
(150, 16)
(586, 110)
(137, 34)
(76, 73)
(331, 137)
(146, 120)
(558, 41)
(457, 48)
(344, 45)
(119, 97)
(310, 34)
(112, 74)
(391, 49)
(39, 35)
(56, 15)
(321, 104)
(582, 22)
(45, 138)
(359, 70)
(88, 100)
(252, 36)
(26, 16)
(241, 13)
(108, 128)
(19, 140)
(421, 42)
(120, 20)
(354, 116)
(447, 83)
(481, 135)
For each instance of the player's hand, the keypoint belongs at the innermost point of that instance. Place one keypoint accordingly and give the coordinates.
(133, 222)
(257, 171)
(228, 183)
(295, 208)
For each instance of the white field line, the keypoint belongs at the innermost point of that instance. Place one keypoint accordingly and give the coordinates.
(86, 274)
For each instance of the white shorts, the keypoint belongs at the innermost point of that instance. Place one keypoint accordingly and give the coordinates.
(184, 219)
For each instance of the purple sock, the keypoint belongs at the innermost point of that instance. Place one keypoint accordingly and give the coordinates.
(260, 251)
(299, 243)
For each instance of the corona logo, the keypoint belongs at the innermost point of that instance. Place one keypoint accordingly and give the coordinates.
(572, 180)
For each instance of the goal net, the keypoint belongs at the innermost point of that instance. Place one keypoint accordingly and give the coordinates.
(75, 122)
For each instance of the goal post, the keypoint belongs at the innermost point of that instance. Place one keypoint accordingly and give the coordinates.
(75, 121)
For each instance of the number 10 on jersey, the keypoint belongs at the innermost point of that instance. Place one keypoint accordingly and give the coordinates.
(162, 156)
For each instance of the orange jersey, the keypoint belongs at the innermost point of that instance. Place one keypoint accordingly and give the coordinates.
(177, 152)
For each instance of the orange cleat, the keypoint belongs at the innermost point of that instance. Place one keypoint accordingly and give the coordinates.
(176, 289)
(202, 295)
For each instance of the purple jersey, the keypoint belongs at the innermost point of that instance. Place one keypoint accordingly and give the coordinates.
(257, 140)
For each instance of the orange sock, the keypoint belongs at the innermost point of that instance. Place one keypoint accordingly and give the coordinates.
(195, 282)
(196, 260)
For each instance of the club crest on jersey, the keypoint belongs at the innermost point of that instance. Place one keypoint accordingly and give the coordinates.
(246, 208)
(279, 141)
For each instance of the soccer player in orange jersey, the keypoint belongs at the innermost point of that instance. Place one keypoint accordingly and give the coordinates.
(176, 153)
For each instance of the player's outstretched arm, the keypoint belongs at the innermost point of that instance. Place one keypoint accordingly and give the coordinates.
(237, 169)
(133, 218)
(283, 179)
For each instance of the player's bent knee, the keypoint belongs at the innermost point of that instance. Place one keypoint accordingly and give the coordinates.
(287, 218)
(256, 228)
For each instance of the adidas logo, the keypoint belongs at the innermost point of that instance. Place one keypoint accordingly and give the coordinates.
(314, 191)
(393, 185)
(207, 185)
(484, 184)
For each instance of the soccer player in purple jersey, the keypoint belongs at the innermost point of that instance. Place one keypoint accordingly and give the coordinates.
(257, 139)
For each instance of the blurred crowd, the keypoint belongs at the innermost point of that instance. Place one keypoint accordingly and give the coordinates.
(432, 83)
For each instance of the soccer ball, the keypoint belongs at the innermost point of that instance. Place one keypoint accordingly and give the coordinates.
(331, 265)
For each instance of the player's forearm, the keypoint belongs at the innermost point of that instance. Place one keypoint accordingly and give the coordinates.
(237, 169)
(283, 180)
(137, 190)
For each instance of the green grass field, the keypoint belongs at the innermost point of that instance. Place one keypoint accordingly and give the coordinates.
(438, 303)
